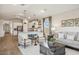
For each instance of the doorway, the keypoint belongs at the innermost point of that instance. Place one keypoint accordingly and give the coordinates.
(6, 28)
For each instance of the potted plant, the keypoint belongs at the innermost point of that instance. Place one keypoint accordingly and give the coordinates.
(51, 41)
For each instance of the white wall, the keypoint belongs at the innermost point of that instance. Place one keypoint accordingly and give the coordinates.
(1, 29)
(72, 14)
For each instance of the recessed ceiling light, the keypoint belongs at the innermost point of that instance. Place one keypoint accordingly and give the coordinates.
(29, 17)
(43, 11)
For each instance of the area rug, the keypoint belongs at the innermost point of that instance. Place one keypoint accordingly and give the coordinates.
(30, 50)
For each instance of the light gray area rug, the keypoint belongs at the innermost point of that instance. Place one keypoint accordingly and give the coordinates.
(35, 50)
(30, 50)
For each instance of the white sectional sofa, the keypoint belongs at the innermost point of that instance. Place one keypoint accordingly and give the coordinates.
(69, 37)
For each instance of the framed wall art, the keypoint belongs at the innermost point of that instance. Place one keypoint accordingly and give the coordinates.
(77, 22)
(70, 22)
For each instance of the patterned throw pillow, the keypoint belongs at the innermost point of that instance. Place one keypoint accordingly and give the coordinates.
(61, 35)
(77, 37)
(70, 36)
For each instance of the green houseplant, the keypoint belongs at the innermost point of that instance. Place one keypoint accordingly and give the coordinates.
(51, 40)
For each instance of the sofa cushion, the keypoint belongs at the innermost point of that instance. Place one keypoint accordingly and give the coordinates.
(72, 39)
(70, 36)
(77, 39)
(71, 43)
(61, 35)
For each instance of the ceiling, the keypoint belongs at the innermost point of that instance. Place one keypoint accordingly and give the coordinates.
(13, 11)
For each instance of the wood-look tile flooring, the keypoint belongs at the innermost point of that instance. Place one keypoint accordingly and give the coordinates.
(9, 45)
